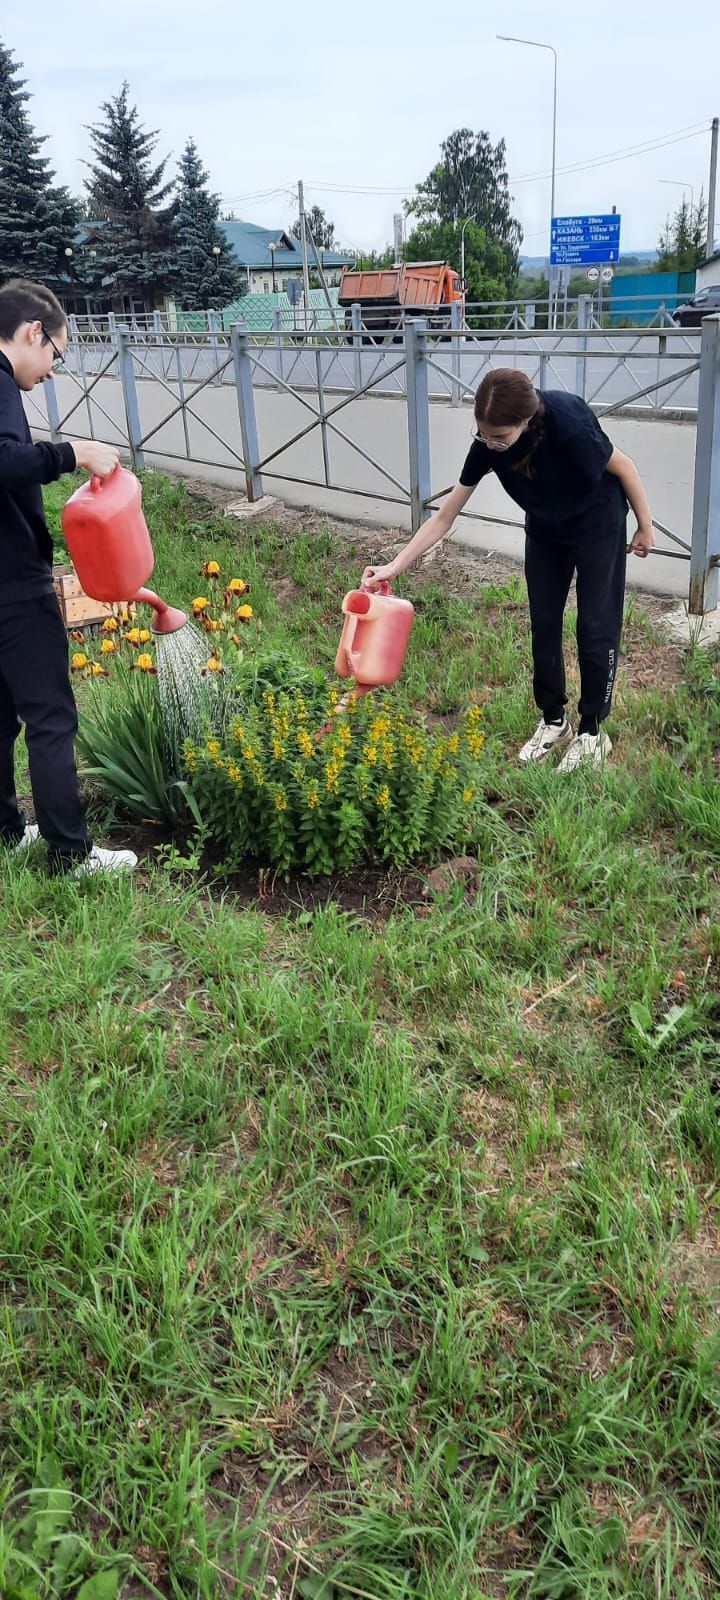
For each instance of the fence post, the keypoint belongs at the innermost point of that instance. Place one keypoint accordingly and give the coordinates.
(529, 313)
(130, 399)
(52, 408)
(278, 327)
(240, 342)
(356, 316)
(583, 322)
(456, 325)
(705, 550)
(213, 329)
(418, 419)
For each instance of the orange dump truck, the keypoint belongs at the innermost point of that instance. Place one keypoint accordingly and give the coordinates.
(418, 288)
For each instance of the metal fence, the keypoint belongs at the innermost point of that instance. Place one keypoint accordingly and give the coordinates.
(649, 369)
(599, 309)
(646, 371)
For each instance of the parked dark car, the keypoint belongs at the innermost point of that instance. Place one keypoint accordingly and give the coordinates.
(706, 303)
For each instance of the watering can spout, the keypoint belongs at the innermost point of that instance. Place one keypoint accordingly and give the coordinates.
(166, 619)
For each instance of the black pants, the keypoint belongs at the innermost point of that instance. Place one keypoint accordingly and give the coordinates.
(599, 563)
(35, 689)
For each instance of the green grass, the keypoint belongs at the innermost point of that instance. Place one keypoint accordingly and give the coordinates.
(380, 1250)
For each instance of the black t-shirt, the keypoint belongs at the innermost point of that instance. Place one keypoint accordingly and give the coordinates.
(568, 493)
(25, 545)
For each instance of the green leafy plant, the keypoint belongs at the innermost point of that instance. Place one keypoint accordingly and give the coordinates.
(300, 792)
(40, 1556)
(128, 753)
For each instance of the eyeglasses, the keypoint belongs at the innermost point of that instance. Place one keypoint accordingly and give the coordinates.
(59, 357)
(493, 444)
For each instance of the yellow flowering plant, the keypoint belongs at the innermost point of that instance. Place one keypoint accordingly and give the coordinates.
(317, 786)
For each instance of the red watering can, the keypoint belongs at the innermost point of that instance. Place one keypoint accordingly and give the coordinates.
(374, 638)
(109, 544)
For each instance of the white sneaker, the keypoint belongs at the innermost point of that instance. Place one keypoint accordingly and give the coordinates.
(104, 861)
(30, 836)
(548, 736)
(587, 749)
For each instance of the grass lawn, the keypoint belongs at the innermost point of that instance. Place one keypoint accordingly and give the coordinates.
(358, 1255)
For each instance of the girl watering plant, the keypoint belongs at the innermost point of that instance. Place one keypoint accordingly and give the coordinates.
(553, 459)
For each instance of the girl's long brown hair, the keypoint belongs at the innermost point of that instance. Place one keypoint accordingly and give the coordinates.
(504, 399)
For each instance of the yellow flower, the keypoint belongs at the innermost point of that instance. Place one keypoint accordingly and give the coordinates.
(96, 671)
(312, 797)
(145, 663)
(133, 637)
(213, 745)
(280, 800)
(200, 604)
(211, 569)
(371, 754)
(244, 613)
(248, 753)
(383, 798)
(236, 586)
(213, 664)
(453, 744)
(258, 775)
(468, 795)
(278, 749)
(235, 773)
(110, 625)
(108, 647)
(79, 661)
(144, 635)
(475, 743)
(306, 744)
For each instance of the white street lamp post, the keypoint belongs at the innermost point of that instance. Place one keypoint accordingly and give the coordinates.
(538, 45)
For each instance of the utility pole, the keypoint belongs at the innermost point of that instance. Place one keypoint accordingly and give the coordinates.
(712, 186)
(303, 247)
(397, 236)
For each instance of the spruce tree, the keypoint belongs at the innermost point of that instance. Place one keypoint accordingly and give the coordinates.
(126, 192)
(202, 278)
(38, 221)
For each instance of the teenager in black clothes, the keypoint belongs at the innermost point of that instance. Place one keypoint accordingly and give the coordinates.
(34, 673)
(553, 459)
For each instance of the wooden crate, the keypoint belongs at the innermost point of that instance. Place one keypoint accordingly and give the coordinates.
(78, 610)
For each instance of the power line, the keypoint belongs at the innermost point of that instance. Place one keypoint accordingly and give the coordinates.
(620, 155)
(628, 153)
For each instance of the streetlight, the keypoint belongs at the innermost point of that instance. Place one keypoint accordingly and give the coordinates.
(272, 247)
(537, 45)
(68, 257)
(678, 183)
(462, 249)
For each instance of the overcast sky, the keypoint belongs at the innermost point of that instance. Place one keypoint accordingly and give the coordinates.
(277, 91)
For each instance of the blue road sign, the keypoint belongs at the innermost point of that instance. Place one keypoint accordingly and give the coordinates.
(584, 241)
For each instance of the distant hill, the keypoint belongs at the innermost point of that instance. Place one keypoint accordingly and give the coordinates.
(629, 258)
